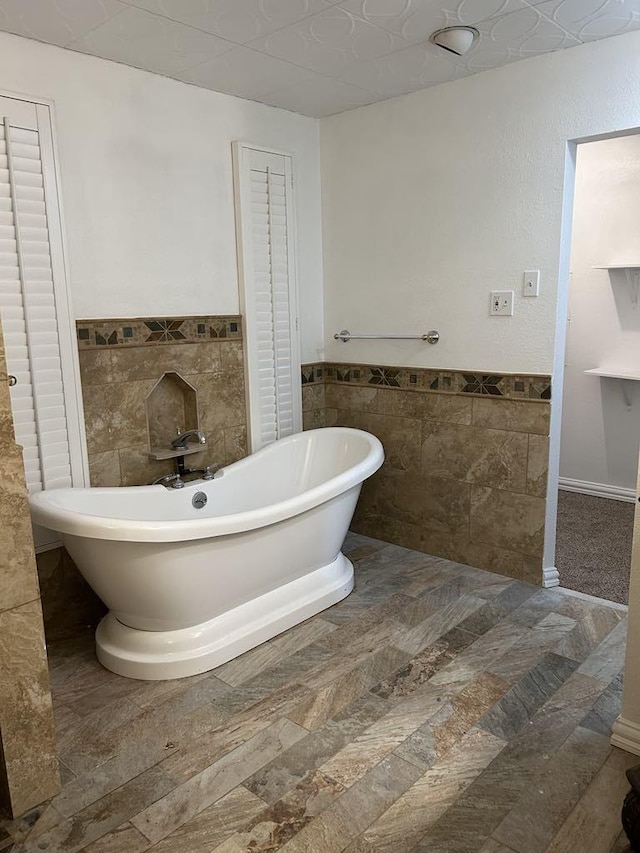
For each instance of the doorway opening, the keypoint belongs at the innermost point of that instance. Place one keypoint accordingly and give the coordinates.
(599, 429)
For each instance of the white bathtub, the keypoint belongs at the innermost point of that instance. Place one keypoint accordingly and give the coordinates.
(188, 589)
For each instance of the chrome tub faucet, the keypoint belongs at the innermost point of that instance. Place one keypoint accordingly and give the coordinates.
(176, 481)
(181, 444)
(171, 481)
(181, 441)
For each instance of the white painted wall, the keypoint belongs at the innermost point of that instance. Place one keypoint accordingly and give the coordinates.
(435, 198)
(600, 436)
(147, 185)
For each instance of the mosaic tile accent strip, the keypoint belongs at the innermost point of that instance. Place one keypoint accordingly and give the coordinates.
(312, 373)
(148, 331)
(509, 386)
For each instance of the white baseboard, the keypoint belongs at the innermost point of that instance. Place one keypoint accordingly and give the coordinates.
(626, 735)
(614, 605)
(550, 577)
(597, 490)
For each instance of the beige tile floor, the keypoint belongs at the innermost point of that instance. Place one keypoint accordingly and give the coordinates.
(438, 708)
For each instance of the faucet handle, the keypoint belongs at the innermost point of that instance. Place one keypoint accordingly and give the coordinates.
(209, 471)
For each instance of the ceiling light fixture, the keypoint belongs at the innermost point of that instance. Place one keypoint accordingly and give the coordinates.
(456, 40)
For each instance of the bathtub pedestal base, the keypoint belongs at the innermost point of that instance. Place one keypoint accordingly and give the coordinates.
(160, 655)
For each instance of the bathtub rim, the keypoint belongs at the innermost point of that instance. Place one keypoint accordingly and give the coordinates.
(46, 512)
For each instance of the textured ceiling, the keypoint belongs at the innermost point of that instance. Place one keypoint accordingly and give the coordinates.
(315, 57)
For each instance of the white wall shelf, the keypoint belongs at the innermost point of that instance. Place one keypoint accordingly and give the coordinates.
(616, 372)
(632, 273)
(626, 375)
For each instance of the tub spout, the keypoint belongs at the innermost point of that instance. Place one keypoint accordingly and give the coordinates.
(181, 441)
(171, 481)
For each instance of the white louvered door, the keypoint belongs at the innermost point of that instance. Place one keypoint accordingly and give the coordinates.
(266, 238)
(33, 306)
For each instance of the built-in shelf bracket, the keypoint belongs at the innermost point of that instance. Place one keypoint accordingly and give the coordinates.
(626, 377)
(633, 280)
(632, 274)
(627, 391)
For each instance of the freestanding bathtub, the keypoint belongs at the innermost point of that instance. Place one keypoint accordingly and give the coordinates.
(189, 587)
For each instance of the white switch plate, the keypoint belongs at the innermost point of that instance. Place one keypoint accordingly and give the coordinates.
(501, 303)
(531, 283)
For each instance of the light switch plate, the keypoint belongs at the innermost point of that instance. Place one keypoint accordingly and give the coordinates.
(531, 283)
(501, 304)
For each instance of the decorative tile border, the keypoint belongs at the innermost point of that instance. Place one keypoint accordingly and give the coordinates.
(505, 385)
(151, 331)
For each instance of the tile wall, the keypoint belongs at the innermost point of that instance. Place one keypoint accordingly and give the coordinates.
(28, 755)
(69, 605)
(466, 459)
(120, 363)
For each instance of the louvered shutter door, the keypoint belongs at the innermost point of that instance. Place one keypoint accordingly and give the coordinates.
(38, 328)
(265, 229)
(28, 309)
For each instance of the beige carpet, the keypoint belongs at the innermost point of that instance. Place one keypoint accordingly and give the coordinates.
(593, 550)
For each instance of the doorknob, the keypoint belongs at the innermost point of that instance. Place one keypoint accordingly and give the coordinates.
(12, 380)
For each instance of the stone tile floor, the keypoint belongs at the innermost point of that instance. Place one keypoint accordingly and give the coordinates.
(438, 708)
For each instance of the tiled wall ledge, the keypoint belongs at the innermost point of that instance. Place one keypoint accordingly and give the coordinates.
(465, 471)
(145, 331)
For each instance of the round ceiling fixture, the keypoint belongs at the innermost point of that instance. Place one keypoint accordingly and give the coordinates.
(456, 40)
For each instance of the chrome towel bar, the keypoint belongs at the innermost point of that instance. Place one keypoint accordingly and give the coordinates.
(431, 337)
